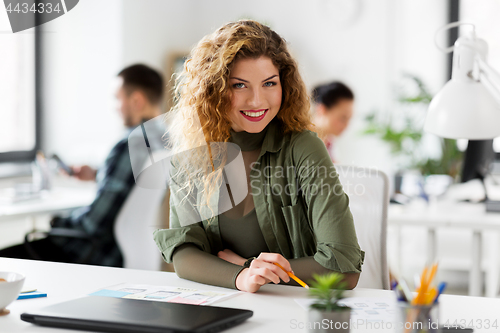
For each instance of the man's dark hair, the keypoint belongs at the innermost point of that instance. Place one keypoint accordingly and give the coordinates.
(143, 78)
(330, 94)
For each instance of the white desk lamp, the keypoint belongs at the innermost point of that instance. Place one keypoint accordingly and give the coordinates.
(468, 106)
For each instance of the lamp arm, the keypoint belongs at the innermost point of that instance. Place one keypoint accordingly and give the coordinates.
(490, 77)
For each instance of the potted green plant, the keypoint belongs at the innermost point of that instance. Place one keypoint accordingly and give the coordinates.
(403, 132)
(326, 314)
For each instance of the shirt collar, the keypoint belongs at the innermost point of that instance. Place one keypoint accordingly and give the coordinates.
(274, 139)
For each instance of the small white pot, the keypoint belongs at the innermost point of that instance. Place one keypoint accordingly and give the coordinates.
(329, 321)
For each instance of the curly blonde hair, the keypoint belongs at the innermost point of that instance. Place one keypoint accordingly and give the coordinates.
(201, 111)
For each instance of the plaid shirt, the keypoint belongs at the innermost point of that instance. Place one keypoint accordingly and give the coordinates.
(115, 180)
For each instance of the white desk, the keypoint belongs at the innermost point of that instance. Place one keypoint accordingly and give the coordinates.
(274, 306)
(449, 214)
(58, 200)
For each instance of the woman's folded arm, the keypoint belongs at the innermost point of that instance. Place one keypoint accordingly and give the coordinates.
(196, 265)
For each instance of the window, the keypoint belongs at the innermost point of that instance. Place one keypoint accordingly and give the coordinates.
(18, 117)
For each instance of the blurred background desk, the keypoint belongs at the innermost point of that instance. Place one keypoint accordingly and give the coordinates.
(59, 200)
(452, 214)
(20, 217)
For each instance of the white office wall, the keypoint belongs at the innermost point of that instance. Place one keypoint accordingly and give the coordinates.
(154, 28)
(484, 15)
(83, 52)
(367, 44)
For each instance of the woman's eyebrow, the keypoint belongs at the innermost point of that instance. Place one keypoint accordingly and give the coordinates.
(237, 78)
(269, 78)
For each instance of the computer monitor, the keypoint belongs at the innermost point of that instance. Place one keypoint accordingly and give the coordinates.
(477, 161)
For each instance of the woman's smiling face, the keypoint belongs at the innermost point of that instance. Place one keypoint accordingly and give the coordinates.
(255, 94)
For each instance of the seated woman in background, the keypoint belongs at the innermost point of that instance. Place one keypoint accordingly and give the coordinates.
(241, 85)
(333, 106)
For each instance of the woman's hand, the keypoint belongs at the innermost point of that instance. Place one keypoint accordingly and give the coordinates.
(232, 257)
(262, 271)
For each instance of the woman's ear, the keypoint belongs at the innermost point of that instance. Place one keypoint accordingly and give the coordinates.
(320, 110)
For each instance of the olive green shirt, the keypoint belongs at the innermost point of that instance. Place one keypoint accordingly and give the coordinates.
(301, 207)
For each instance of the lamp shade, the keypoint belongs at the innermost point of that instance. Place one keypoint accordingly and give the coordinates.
(464, 109)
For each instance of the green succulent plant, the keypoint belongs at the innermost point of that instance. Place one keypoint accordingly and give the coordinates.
(327, 290)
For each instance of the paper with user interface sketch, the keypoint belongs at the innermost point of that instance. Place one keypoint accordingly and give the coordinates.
(365, 308)
(164, 294)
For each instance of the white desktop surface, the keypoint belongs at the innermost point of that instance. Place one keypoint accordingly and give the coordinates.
(274, 306)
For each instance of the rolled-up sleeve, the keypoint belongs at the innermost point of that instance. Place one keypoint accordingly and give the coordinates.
(327, 206)
(168, 240)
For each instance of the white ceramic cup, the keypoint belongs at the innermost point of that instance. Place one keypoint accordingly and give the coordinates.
(10, 289)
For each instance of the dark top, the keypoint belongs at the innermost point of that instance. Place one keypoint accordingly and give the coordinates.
(242, 235)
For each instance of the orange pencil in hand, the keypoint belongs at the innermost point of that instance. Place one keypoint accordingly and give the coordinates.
(290, 274)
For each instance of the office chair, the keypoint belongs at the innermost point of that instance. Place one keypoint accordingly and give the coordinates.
(134, 227)
(368, 191)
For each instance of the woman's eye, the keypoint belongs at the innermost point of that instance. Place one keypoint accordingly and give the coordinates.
(269, 84)
(239, 85)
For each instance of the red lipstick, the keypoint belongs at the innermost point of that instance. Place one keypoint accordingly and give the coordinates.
(254, 119)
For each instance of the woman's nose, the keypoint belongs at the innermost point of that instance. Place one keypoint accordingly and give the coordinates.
(254, 99)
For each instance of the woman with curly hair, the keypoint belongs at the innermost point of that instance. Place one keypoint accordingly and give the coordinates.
(241, 86)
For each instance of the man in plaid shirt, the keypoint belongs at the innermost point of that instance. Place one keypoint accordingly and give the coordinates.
(87, 235)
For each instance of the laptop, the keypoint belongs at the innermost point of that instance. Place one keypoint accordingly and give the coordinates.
(108, 314)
